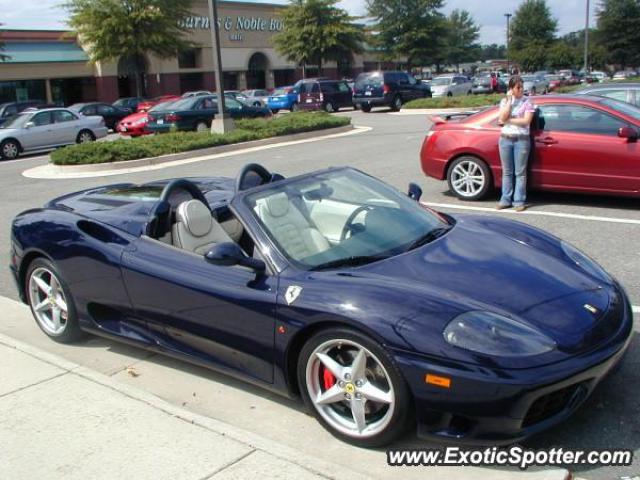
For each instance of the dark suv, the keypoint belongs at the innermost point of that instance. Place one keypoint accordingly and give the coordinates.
(391, 89)
(12, 108)
(323, 94)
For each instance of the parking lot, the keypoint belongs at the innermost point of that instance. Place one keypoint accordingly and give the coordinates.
(606, 228)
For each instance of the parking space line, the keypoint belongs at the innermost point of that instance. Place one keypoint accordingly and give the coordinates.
(574, 216)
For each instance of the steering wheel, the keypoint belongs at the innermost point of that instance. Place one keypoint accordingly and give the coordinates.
(160, 217)
(349, 225)
(244, 181)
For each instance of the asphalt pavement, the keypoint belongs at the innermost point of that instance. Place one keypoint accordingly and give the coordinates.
(608, 229)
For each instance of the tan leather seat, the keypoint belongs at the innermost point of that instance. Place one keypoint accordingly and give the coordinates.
(289, 227)
(196, 229)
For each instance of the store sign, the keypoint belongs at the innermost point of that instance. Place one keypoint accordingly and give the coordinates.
(237, 25)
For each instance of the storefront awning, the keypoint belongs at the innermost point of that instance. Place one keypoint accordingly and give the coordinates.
(43, 52)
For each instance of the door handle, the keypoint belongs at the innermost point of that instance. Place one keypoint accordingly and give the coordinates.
(546, 141)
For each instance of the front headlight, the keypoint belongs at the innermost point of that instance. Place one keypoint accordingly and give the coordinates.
(584, 262)
(494, 334)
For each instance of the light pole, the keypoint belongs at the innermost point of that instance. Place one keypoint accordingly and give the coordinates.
(222, 122)
(508, 15)
(586, 41)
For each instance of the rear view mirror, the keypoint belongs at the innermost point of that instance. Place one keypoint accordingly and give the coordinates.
(415, 192)
(631, 134)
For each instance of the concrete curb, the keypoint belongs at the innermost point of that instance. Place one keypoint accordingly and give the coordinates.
(142, 162)
(314, 465)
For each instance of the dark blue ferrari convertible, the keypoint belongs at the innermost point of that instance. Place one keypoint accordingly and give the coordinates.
(380, 313)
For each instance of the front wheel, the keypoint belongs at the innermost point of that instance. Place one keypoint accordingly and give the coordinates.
(469, 178)
(295, 107)
(9, 150)
(51, 302)
(397, 104)
(354, 388)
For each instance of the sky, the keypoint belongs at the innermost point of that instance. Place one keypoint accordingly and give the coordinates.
(489, 15)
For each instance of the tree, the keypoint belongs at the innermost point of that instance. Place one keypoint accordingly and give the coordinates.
(562, 55)
(461, 37)
(532, 32)
(316, 31)
(3, 57)
(492, 52)
(129, 29)
(618, 30)
(414, 29)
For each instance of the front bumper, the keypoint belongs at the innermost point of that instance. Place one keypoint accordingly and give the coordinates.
(490, 406)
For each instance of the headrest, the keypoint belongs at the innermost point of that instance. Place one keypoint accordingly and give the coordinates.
(278, 204)
(195, 216)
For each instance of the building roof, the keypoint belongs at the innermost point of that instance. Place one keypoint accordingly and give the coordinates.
(43, 52)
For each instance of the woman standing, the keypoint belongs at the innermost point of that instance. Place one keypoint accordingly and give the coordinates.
(516, 113)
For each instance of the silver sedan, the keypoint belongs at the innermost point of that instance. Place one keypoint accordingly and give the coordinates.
(535, 84)
(46, 129)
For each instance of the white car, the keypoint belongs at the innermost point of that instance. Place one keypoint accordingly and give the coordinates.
(535, 84)
(600, 76)
(257, 98)
(46, 129)
(451, 86)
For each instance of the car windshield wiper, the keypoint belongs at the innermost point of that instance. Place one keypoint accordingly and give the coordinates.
(349, 262)
(428, 237)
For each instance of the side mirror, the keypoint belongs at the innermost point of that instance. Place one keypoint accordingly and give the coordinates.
(228, 254)
(415, 192)
(31, 124)
(631, 134)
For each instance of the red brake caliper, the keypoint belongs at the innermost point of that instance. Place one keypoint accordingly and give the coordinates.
(328, 378)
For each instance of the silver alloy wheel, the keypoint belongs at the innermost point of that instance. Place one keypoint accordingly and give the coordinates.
(48, 301)
(10, 150)
(85, 137)
(467, 178)
(361, 402)
(397, 103)
(201, 127)
(329, 107)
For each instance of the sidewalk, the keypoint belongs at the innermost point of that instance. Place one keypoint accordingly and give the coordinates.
(59, 420)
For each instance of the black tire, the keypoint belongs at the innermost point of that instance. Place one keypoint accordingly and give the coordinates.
(449, 94)
(9, 149)
(85, 136)
(328, 107)
(387, 420)
(365, 108)
(474, 167)
(275, 110)
(396, 105)
(295, 107)
(43, 268)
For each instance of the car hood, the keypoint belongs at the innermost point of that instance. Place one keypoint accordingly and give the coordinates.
(506, 268)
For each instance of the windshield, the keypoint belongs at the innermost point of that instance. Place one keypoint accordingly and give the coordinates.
(441, 81)
(17, 121)
(340, 219)
(622, 107)
(281, 91)
(182, 104)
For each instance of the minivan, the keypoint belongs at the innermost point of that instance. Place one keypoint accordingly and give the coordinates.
(323, 94)
(391, 89)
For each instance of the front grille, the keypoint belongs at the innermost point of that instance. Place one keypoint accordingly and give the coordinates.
(553, 403)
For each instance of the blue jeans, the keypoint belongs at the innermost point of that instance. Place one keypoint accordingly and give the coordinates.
(514, 155)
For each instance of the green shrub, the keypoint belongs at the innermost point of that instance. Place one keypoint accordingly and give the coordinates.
(455, 102)
(176, 142)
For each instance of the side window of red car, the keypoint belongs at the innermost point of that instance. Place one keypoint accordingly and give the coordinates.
(579, 119)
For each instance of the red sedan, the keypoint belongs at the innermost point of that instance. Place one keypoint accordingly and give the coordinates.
(580, 144)
(147, 104)
(134, 125)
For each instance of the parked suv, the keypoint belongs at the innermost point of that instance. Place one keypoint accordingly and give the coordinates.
(323, 94)
(391, 89)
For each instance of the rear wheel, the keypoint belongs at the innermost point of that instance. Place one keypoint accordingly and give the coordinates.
(85, 136)
(329, 107)
(202, 127)
(51, 302)
(9, 149)
(397, 104)
(354, 388)
(365, 108)
(469, 178)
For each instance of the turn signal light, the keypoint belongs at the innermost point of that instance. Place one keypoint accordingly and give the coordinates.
(437, 380)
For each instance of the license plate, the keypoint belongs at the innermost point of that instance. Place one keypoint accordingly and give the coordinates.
(309, 100)
(367, 93)
(160, 121)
